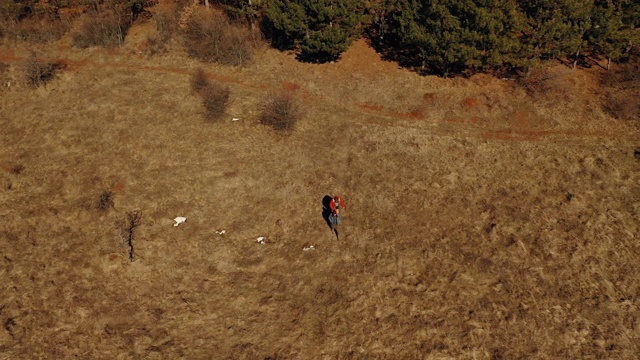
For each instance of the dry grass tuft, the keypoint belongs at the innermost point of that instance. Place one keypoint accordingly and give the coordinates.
(213, 38)
(107, 30)
(37, 72)
(281, 112)
(17, 169)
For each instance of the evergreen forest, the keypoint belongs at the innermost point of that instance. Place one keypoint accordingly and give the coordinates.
(444, 37)
(455, 36)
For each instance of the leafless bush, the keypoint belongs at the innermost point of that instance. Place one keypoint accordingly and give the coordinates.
(166, 23)
(554, 86)
(537, 81)
(105, 200)
(215, 98)
(38, 72)
(622, 87)
(10, 10)
(4, 76)
(212, 38)
(132, 221)
(281, 112)
(106, 29)
(155, 45)
(622, 105)
(199, 80)
(35, 30)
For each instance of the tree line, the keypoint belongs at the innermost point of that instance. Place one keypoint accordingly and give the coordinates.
(451, 36)
(437, 36)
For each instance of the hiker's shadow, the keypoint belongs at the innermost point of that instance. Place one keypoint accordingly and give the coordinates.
(326, 210)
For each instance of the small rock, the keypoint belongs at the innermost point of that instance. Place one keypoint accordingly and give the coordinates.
(261, 240)
(636, 153)
(179, 220)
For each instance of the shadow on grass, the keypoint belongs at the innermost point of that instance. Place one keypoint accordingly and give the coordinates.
(326, 210)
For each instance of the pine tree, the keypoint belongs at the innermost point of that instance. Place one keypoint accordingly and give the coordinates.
(608, 35)
(556, 28)
(288, 22)
(458, 35)
(630, 12)
(320, 29)
(565, 28)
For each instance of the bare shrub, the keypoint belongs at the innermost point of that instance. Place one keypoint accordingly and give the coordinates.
(199, 80)
(166, 23)
(281, 112)
(37, 72)
(622, 105)
(10, 11)
(211, 37)
(215, 98)
(155, 45)
(4, 76)
(106, 29)
(131, 222)
(538, 81)
(36, 30)
(105, 200)
(556, 86)
(621, 98)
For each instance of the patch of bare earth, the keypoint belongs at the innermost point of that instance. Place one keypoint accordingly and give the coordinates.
(481, 222)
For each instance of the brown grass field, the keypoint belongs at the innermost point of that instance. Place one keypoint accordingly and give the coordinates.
(483, 221)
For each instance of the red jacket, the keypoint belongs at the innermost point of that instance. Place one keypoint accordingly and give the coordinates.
(332, 204)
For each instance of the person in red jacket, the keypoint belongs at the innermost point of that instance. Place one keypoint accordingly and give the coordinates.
(336, 205)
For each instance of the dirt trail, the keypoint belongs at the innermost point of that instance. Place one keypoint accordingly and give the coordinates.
(518, 130)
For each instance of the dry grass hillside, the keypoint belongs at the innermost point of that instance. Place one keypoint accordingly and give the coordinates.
(486, 218)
